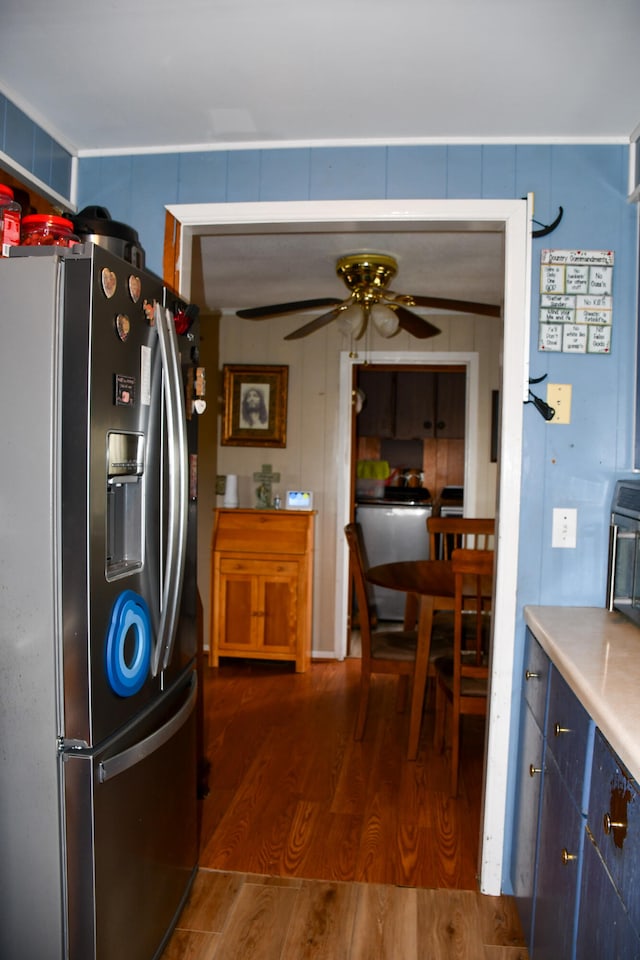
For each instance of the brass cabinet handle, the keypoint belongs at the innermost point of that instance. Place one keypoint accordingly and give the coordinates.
(530, 675)
(567, 857)
(533, 770)
(610, 824)
(557, 730)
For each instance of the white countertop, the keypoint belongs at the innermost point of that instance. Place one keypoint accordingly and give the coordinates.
(598, 654)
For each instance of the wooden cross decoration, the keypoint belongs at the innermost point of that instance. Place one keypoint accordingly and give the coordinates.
(266, 477)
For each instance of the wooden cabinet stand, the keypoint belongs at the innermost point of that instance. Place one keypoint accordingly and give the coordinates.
(261, 585)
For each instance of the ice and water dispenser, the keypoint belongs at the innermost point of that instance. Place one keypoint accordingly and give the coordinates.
(125, 503)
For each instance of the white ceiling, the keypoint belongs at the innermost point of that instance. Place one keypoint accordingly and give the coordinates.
(235, 271)
(120, 76)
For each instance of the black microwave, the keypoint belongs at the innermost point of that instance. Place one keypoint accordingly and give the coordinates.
(623, 575)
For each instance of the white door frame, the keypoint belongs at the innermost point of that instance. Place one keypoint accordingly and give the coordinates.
(470, 362)
(512, 217)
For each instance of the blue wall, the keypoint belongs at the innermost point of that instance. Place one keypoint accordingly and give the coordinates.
(567, 466)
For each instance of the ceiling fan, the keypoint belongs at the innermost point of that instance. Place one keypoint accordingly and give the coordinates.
(367, 276)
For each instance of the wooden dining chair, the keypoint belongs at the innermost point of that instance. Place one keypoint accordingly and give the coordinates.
(454, 533)
(383, 651)
(462, 681)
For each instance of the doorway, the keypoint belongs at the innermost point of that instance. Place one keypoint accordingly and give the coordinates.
(511, 218)
(415, 452)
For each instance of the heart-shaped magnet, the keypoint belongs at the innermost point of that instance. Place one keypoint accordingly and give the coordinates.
(109, 282)
(135, 288)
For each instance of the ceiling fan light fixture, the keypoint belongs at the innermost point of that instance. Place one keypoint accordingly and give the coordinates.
(367, 277)
(352, 321)
(385, 320)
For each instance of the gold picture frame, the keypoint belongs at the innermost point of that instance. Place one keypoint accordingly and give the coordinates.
(255, 406)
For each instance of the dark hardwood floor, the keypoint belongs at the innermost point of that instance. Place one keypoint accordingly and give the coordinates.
(293, 795)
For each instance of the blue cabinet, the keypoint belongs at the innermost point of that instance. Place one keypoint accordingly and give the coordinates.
(555, 751)
(567, 762)
(609, 922)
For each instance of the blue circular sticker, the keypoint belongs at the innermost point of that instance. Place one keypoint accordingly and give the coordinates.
(129, 619)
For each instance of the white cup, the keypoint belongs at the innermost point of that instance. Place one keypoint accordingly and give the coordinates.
(231, 491)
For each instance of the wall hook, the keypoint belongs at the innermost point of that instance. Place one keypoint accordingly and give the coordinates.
(541, 406)
(545, 231)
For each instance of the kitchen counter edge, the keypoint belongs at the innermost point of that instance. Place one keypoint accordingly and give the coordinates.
(598, 654)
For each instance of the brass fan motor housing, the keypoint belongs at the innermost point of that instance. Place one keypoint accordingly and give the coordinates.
(367, 275)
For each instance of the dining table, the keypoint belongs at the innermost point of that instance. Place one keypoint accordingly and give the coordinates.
(429, 586)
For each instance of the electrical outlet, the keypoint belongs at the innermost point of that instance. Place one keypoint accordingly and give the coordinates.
(559, 397)
(565, 523)
(221, 485)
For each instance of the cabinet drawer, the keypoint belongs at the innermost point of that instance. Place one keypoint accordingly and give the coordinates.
(569, 734)
(268, 532)
(605, 928)
(237, 565)
(615, 795)
(535, 678)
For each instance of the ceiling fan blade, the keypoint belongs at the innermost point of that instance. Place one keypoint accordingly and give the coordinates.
(443, 303)
(275, 309)
(415, 325)
(318, 323)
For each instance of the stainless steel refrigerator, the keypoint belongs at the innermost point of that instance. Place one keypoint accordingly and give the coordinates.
(98, 836)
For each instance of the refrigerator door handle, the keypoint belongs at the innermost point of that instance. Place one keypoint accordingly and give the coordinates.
(108, 769)
(177, 468)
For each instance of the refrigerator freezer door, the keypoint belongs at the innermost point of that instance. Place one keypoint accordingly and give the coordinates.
(133, 852)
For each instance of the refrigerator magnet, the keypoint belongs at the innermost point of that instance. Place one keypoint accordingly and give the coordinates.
(149, 312)
(135, 288)
(127, 669)
(109, 282)
(123, 326)
(125, 390)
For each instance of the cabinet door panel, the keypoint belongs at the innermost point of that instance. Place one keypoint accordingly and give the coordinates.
(450, 405)
(376, 419)
(536, 671)
(561, 829)
(615, 794)
(527, 809)
(570, 733)
(415, 405)
(605, 929)
(236, 615)
(280, 626)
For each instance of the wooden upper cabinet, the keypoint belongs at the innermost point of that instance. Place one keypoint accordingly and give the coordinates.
(415, 405)
(412, 405)
(450, 406)
(377, 417)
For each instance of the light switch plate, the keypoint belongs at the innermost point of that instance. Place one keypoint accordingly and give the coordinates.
(559, 397)
(564, 531)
